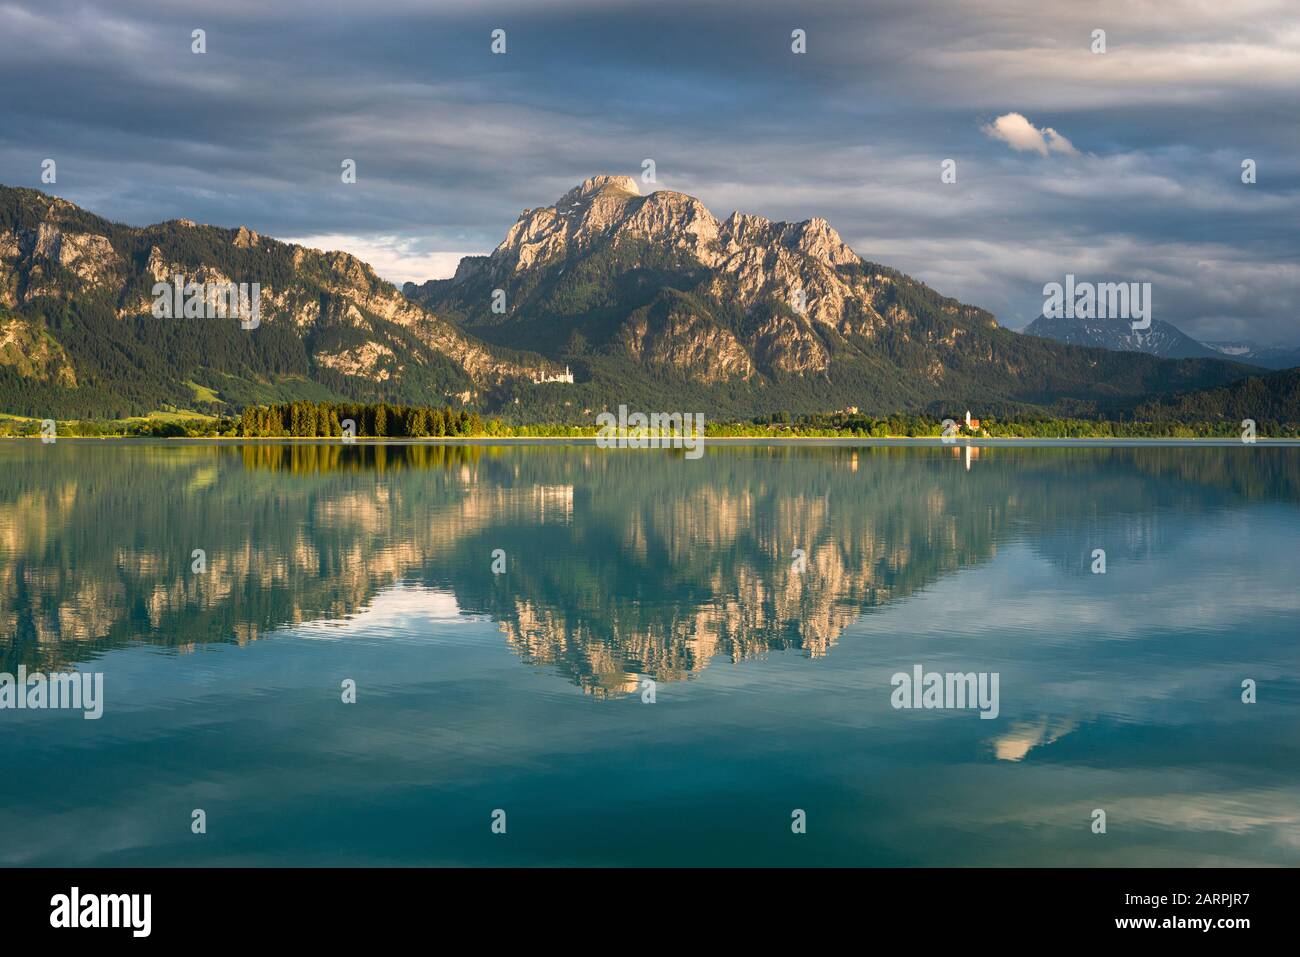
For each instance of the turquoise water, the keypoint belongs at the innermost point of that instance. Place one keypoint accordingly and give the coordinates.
(523, 691)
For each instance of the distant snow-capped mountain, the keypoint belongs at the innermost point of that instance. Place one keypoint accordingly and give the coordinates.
(1270, 357)
(1162, 339)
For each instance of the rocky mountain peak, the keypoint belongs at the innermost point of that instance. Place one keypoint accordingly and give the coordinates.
(817, 238)
(590, 209)
(608, 208)
(598, 184)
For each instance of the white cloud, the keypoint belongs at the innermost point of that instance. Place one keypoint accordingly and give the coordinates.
(396, 258)
(393, 611)
(1021, 135)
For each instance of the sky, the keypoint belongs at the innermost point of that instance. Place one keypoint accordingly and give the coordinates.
(1123, 165)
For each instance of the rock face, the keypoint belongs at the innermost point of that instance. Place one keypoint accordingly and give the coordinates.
(760, 298)
(666, 336)
(27, 349)
(41, 260)
(330, 318)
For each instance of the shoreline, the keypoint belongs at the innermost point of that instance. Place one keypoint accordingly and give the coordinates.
(582, 440)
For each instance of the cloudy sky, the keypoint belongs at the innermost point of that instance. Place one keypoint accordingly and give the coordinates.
(1123, 165)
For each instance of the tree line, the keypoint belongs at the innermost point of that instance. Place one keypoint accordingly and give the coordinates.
(309, 419)
(370, 420)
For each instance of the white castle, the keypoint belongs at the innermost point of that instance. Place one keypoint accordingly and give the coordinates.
(565, 376)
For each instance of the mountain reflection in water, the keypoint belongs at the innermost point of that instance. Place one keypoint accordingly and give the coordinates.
(327, 563)
(618, 564)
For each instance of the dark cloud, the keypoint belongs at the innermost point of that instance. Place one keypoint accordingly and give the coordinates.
(452, 142)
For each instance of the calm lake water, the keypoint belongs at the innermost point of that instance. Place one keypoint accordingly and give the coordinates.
(524, 691)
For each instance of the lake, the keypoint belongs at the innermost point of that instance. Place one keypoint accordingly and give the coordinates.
(628, 657)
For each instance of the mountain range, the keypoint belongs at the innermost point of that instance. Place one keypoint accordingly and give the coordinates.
(647, 300)
(1162, 339)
